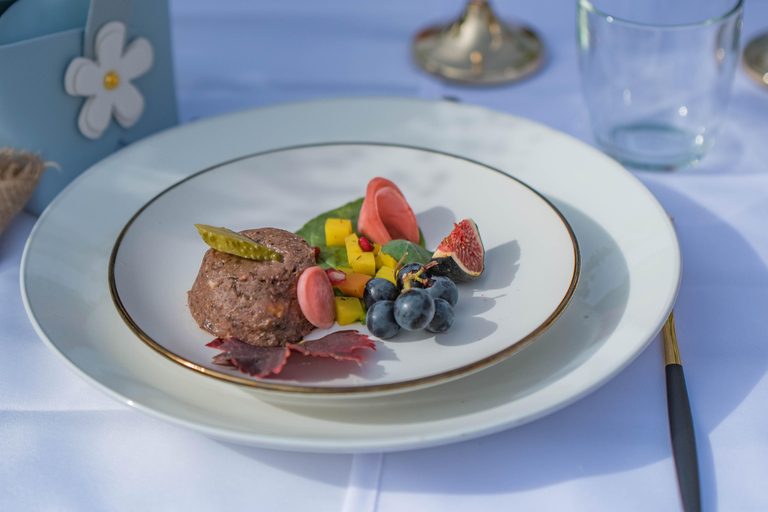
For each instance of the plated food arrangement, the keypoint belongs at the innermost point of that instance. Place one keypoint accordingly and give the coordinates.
(529, 267)
(262, 290)
(145, 349)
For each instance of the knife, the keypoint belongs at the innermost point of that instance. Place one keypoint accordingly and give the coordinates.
(681, 422)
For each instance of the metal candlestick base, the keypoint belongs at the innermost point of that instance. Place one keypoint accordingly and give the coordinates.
(478, 49)
(756, 59)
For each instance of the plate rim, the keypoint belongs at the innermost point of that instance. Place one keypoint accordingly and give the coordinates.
(342, 391)
(556, 395)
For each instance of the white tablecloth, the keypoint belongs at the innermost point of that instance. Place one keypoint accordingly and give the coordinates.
(65, 446)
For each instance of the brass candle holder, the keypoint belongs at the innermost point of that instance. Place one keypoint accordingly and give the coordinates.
(755, 60)
(478, 49)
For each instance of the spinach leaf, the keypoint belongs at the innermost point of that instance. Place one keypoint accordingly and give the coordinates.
(332, 257)
(314, 233)
(397, 248)
(314, 230)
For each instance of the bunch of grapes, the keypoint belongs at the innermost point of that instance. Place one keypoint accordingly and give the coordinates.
(418, 301)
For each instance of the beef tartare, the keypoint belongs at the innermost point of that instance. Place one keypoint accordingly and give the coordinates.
(254, 301)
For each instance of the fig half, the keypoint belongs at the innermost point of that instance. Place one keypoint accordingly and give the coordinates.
(459, 257)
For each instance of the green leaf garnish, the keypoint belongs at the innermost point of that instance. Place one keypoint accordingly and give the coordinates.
(314, 230)
(416, 253)
(314, 233)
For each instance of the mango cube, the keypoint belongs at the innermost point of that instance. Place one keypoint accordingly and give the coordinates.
(387, 273)
(388, 261)
(336, 230)
(377, 256)
(363, 263)
(348, 310)
(353, 244)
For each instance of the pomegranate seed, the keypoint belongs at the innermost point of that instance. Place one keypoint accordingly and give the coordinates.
(366, 245)
(317, 252)
(337, 277)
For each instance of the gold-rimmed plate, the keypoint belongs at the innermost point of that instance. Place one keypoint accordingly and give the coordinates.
(532, 260)
(628, 281)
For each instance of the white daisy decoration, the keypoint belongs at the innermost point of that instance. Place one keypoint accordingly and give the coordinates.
(107, 81)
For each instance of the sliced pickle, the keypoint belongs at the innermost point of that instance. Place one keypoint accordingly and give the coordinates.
(231, 242)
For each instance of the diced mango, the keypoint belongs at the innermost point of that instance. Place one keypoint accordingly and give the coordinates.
(348, 310)
(377, 256)
(354, 284)
(345, 270)
(363, 263)
(387, 273)
(353, 245)
(388, 261)
(336, 230)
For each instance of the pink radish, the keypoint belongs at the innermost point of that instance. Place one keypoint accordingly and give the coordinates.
(396, 215)
(386, 215)
(315, 295)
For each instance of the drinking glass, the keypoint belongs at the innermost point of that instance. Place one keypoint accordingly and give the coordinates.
(656, 76)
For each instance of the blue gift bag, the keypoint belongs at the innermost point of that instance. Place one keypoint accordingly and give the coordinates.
(53, 103)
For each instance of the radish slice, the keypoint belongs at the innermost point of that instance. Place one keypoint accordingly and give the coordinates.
(315, 295)
(369, 223)
(377, 183)
(396, 215)
(385, 214)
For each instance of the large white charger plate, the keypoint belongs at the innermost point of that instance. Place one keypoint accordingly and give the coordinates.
(531, 261)
(628, 282)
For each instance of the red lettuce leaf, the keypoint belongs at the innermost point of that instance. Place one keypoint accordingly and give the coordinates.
(262, 361)
(341, 345)
(215, 343)
(250, 359)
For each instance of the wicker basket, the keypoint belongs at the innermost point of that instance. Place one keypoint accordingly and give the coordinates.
(19, 174)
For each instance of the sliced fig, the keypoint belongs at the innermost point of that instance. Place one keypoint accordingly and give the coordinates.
(315, 294)
(459, 256)
(386, 215)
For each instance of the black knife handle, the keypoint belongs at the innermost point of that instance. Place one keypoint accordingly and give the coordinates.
(683, 438)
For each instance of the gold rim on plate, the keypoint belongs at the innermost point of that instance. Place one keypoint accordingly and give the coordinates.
(345, 390)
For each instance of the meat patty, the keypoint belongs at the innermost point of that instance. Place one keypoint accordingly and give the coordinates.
(254, 301)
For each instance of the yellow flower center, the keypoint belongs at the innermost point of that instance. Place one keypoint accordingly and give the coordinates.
(111, 80)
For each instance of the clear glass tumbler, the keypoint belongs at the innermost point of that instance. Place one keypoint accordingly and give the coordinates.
(657, 75)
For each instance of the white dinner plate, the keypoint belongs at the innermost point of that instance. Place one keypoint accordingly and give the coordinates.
(531, 262)
(629, 278)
